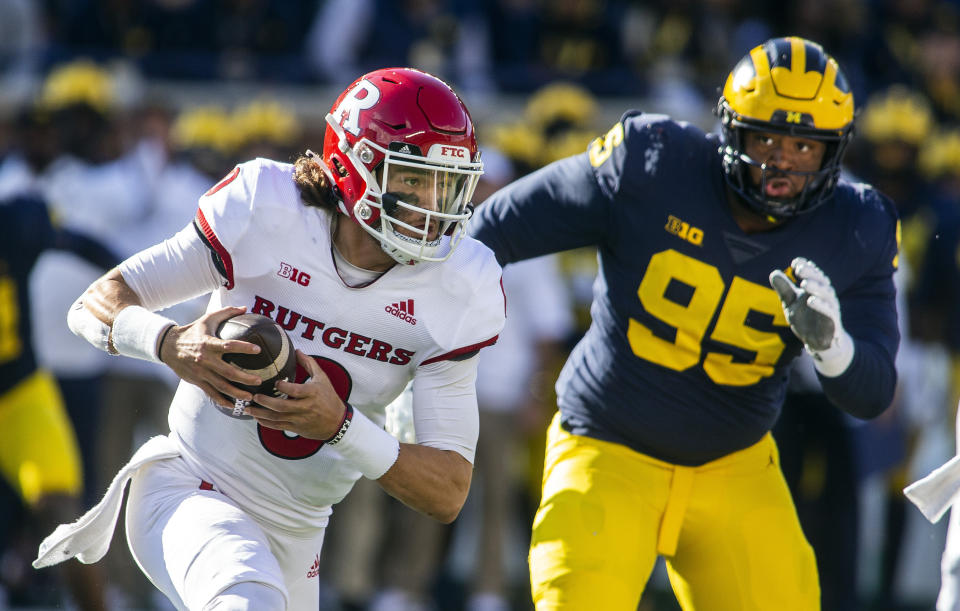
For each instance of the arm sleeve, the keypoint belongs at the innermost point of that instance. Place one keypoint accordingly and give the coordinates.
(866, 388)
(445, 406)
(172, 271)
(571, 203)
(869, 311)
(559, 207)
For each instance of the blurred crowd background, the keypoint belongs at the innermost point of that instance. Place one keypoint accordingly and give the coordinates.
(120, 114)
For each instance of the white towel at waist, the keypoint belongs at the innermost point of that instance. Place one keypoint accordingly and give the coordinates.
(89, 537)
(938, 491)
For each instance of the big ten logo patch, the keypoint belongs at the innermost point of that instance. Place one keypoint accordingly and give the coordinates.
(293, 274)
(684, 230)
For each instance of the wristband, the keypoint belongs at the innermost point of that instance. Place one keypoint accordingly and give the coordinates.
(163, 336)
(84, 324)
(136, 332)
(837, 358)
(371, 449)
(344, 425)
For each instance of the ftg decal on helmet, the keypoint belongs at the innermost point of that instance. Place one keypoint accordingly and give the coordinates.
(401, 152)
(785, 86)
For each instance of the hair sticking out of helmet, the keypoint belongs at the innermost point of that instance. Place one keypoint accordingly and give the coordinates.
(787, 86)
(401, 152)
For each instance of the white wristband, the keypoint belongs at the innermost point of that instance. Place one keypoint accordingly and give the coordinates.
(136, 332)
(84, 324)
(371, 449)
(834, 360)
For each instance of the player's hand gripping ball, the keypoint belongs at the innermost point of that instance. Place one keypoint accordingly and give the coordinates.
(277, 359)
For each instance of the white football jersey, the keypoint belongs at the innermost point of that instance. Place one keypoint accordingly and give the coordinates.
(275, 254)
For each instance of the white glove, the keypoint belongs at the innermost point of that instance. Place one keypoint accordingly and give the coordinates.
(813, 311)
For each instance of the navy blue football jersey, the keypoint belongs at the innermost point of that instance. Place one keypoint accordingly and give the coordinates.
(686, 358)
(25, 232)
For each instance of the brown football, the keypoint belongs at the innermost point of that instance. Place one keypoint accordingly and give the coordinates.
(277, 359)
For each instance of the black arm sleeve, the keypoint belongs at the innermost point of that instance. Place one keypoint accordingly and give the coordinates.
(870, 316)
(866, 388)
(558, 207)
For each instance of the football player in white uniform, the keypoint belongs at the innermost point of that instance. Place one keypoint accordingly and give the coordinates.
(360, 254)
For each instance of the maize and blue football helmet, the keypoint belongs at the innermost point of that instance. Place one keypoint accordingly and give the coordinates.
(786, 86)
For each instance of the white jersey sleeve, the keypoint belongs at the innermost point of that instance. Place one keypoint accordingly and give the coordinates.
(472, 281)
(172, 271)
(226, 206)
(445, 412)
(444, 384)
(229, 212)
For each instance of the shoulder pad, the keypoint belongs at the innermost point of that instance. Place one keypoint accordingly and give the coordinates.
(642, 147)
(471, 280)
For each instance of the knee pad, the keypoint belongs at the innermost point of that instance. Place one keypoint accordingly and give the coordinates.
(248, 596)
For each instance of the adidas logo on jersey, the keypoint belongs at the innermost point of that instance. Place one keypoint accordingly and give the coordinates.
(314, 568)
(402, 310)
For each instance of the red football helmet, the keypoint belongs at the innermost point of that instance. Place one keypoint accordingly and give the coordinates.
(401, 152)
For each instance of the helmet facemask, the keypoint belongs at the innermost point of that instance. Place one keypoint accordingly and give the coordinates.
(818, 184)
(415, 205)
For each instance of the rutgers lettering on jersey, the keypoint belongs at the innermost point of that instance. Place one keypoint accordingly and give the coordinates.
(333, 337)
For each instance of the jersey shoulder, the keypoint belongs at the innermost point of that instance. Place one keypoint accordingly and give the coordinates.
(471, 267)
(260, 193)
(255, 183)
(869, 218)
(644, 146)
(865, 206)
(469, 293)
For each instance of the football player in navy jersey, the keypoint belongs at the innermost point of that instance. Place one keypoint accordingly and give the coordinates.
(720, 259)
(39, 456)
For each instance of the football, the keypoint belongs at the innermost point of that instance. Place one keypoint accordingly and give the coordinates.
(277, 359)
